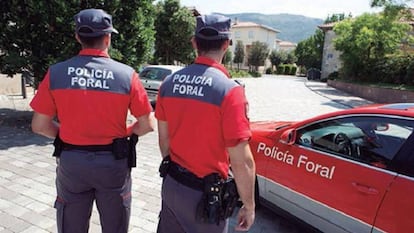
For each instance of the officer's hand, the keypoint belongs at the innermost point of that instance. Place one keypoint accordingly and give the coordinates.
(245, 219)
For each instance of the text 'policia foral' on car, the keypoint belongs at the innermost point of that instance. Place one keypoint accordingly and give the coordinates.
(301, 162)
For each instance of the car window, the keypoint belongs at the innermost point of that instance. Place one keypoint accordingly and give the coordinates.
(157, 74)
(371, 140)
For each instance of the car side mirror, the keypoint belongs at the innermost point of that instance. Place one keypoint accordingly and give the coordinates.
(288, 137)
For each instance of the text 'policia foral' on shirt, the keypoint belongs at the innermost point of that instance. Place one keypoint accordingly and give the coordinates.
(190, 84)
(95, 78)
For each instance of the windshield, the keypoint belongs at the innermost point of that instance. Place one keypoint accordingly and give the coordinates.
(152, 73)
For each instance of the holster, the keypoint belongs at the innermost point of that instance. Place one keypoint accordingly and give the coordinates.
(121, 148)
(210, 206)
(165, 166)
(126, 148)
(58, 144)
(219, 199)
(230, 197)
(132, 158)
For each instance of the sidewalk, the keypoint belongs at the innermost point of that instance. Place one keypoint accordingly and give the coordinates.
(27, 174)
(343, 98)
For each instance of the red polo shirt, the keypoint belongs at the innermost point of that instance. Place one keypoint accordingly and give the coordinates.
(206, 113)
(95, 113)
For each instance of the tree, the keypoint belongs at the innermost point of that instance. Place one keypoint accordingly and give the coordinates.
(258, 54)
(36, 33)
(174, 28)
(291, 57)
(134, 20)
(367, 40)
(309, 51)
(227, 57)
(392, 7)
(239, 54)
(336, 18)
(277, 57)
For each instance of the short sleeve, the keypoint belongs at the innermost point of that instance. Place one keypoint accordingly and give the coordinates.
(236, 125)
(140, 104)
(43, 102)
(159, 110)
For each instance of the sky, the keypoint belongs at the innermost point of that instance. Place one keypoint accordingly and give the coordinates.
(311, 8)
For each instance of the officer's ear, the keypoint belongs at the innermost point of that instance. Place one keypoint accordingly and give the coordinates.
(107, 40)
(194, 43)
(77, 38)
(226, 45)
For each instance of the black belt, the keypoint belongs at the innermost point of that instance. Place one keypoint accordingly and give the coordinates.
(185, 177)
(91, 148)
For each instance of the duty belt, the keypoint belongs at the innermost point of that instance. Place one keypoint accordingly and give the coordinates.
(91, 148)
(185, 177)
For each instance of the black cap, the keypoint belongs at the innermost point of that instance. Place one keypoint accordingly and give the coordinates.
(93, 23)
(213, 27)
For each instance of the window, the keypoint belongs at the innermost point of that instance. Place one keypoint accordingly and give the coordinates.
(371, 140)
(237, 34)
(251, 35)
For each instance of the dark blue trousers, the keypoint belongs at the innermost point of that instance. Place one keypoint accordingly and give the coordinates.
(178, 210)
(84, 177)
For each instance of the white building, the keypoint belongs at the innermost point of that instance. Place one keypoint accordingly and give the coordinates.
(249, 32)
(285, 46)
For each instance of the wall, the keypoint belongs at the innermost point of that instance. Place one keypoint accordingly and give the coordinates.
(330, 57)
(9, 86)
(375, 94)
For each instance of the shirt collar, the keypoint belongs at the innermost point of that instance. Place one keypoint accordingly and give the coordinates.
(93, 52)
(210, 62)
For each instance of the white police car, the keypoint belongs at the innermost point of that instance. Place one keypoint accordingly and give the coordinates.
(152, 76)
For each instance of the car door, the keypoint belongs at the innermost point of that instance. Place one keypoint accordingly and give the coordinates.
(332, 177)
(396, 211)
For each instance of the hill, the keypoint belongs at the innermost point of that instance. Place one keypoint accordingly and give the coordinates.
(294, 28)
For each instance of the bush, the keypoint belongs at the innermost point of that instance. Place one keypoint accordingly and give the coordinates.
(280, 69)
(255, 74)
(269, 71)
(287, 69)
(333, 75)
(293, 70)
(392, 69)
(409, 77)
(239, 74)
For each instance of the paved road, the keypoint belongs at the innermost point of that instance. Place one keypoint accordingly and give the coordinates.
(27, 170)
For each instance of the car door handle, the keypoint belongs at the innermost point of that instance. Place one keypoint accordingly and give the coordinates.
(365, 189)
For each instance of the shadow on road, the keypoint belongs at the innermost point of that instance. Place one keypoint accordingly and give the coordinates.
(15, 130)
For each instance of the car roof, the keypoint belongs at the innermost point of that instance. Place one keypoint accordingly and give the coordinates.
(168, 67)
(395, 109)
(399, 106)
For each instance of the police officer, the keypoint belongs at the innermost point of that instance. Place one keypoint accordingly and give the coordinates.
(202, 126)
(90, 95)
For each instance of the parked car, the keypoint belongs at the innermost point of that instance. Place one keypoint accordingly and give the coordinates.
(346, 171)
(313, 74)
(152, 76)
